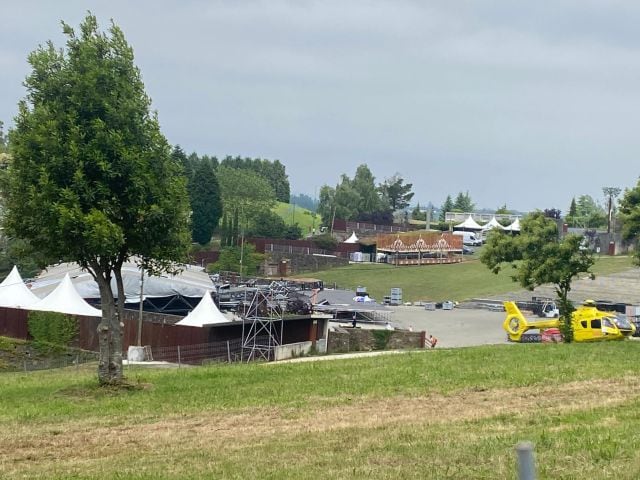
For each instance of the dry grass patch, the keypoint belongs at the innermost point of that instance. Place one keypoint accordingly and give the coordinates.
(89, 445)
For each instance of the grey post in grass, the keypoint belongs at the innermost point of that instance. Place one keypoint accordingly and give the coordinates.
(526, 463)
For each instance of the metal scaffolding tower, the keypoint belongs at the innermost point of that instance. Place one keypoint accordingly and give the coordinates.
(262, 325)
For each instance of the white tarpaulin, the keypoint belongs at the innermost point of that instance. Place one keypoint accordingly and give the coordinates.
(191, 282)
(14, 293)
(66, 299)
(352, 238)
(469, 224)
(205, 313)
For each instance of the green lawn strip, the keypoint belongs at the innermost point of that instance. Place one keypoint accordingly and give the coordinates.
(73, 395)
(461, 281)
(606, 265)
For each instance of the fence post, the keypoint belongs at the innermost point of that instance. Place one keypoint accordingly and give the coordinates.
(526, 464)
(178, 356)
(25, 365)
(228, 352)
(77, 361)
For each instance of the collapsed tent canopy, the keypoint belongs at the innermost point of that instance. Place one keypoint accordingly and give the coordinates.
(191, 282)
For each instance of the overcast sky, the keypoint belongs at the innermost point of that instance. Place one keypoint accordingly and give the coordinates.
(523, 103)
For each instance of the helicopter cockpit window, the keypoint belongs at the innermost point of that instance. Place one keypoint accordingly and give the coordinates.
(607, 323)
(622, 321)
(595, 323)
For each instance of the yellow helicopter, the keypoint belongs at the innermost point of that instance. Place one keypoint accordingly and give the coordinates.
(589, 324)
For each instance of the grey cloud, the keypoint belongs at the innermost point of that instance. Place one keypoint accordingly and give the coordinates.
(520, 103)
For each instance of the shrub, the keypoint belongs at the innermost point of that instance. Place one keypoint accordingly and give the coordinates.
(325, 242)
(381, 338)
(51, 330)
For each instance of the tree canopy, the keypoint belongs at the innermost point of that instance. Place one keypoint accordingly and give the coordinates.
(447, 206)
(355, 199)
(206, 203)
(586, 213)
(630, 215)
(538, 256)
(92, 179)
(463, 203)
(273, 172)
(245, 194)
(396, 193)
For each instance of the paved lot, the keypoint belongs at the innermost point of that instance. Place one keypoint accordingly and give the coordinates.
(453, 328)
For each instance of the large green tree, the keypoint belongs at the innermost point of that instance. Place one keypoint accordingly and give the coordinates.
(630, 216)
(206, 203)
(538, 256)
(396, 192)
(586, 213)
(447, 206)
(92, 179)
(3, 138)
(273, 172)
(364, 184)
(463, 203)
(245, 194)
(354, 199)
(204, 193)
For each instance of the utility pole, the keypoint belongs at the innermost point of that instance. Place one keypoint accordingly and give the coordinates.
(139, 342)
(610, 193)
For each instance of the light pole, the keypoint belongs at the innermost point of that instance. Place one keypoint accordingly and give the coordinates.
(139, 342)
(611, 193)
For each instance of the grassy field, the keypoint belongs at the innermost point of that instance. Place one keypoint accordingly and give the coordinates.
(462, 281)
(294, 214)
(445, 414)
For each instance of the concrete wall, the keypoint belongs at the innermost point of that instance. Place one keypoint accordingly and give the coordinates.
(293, 350)
(361, 340)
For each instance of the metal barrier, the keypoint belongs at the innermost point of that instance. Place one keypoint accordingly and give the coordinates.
(226, 351)
(29, 364)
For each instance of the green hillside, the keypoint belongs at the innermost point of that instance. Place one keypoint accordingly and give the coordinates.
(294, 214)
(462, 281)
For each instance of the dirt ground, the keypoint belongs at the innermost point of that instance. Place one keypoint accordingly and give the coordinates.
(453, 328)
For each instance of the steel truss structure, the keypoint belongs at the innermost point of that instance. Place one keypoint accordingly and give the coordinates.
(262, 325)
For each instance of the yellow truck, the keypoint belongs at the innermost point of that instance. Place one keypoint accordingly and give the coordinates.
(589, 324)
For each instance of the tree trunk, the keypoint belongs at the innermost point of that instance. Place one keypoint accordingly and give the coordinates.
(109, 335)
(566, 310)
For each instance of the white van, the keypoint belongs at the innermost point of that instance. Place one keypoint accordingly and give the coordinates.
(469, 238)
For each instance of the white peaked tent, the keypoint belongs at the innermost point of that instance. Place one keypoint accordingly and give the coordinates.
(469, 224)
(205, 313)
(493, 223)
(514, 227)
(66, 299)
(14, 293)
(352, 238)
